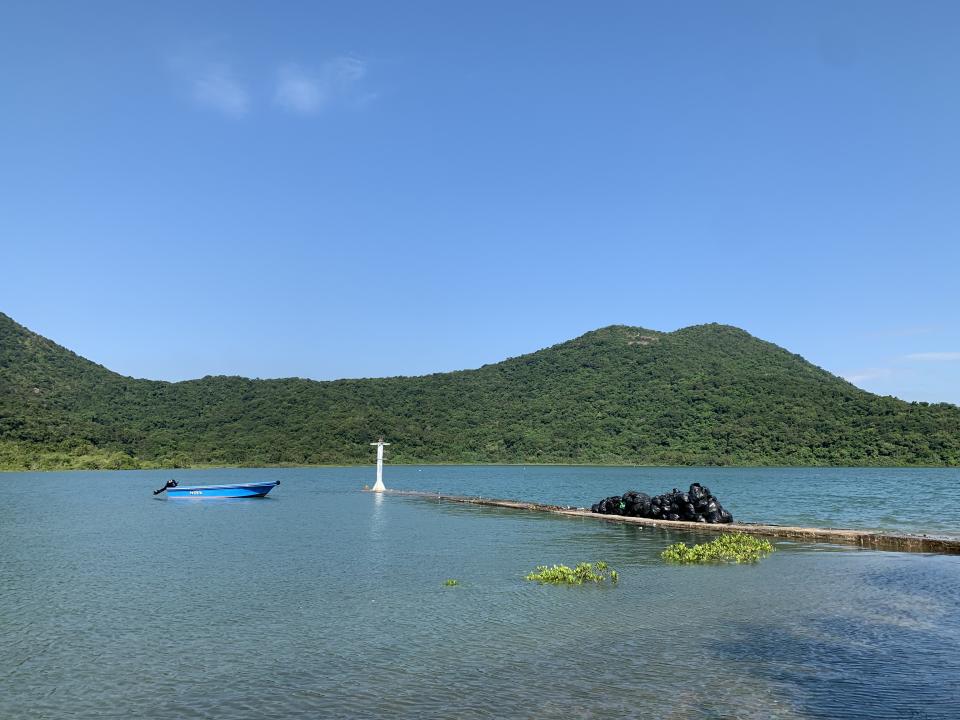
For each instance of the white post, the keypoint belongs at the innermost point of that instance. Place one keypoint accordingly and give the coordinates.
(378, 487)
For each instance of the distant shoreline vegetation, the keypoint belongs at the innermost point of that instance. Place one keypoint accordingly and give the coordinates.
(106, 461)
(703, 396)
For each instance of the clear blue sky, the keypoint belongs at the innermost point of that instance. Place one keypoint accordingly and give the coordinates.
(361, 189)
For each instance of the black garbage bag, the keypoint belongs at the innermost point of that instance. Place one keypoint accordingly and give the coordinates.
(616, 504)
(636, 503)
(696, 505)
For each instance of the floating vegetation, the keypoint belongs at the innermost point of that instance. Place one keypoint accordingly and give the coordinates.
(584, 572)
(735, 547)
(451, 582)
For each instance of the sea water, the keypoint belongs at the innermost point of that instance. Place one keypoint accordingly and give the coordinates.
(324, 601)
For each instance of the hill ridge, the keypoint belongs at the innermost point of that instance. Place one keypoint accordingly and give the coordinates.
(709, 394)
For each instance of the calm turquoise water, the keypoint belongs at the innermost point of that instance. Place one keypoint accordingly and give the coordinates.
(322, 601)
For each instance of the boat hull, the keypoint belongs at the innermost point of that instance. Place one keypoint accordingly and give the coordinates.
(244, 490)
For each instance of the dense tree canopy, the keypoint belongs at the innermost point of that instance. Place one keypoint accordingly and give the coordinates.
(703, 395)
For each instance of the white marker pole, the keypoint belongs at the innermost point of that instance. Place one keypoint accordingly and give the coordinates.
(378, 487)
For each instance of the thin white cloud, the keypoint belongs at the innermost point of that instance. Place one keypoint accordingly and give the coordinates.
(298, 91)
(307, 92)
(868, 374)
(935, 356)
(215, 86)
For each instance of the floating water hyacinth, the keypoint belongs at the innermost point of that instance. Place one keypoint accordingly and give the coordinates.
(736, 547)
(584, 572)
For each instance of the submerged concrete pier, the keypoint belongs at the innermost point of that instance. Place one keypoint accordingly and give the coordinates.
(873, 539)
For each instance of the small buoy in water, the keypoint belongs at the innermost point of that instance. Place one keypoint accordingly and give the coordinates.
(366, 488)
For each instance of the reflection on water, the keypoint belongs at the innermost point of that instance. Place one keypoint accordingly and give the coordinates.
(376, 515)
(324, 601)
(885, 651)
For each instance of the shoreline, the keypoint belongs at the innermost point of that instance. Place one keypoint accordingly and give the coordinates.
(291, 466)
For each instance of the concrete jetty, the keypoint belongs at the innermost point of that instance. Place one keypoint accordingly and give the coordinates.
(872, 539)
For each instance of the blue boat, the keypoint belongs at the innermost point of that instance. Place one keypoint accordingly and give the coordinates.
(243, 490)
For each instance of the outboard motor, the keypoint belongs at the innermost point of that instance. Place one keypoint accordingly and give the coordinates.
(170, 484)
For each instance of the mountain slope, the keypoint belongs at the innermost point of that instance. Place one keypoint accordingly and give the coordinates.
(708, 394)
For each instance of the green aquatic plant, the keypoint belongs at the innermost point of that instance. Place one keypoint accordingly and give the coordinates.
(584, 572)
(451, 582)
(735, 547)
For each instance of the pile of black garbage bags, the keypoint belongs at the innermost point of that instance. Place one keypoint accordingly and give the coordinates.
(695, 505)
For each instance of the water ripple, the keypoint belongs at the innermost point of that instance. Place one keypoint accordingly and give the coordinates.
(328, 602)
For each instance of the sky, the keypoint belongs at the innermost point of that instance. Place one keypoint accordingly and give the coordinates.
(356, 189)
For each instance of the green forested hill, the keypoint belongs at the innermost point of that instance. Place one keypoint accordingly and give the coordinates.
(706, 395)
